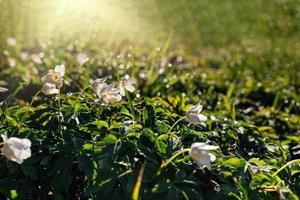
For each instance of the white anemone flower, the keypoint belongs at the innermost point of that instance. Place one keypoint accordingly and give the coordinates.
(49, 88)
(127, 83)
(81, 58)
(11, 41)
(2, 89)
(106, 93)
(55, 76)
(194, 116)
(199, 152)
(16, 149)
(109, 94)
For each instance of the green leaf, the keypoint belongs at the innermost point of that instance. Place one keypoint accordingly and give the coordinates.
(109, 139)
(235, 162)
(85, 164)
(62, 180)
(13, 194)
(162, 143)
(149, 116)
(30, 171)
(149, 134)
(260, 180)
(99, 123)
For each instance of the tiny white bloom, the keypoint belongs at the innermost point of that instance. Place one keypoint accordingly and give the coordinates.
(199, 153)
(36, 59)
(194, 116)
(16, 149)
(2, 89)
(55, 76)
(11, 41)
(127, 83)
(11, 62)
(82, 58)
(23, 56)
(49, 88)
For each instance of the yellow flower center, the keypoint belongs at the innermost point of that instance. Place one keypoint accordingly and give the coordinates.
(56, 77)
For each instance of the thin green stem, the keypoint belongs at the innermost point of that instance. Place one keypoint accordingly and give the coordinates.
(175, 124)
(58, 98)
(130, 105)
(165, 164)
(81, 92)
(34, 98)
(286, 165)
(59, 104)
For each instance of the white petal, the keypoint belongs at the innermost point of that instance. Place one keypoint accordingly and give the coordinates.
(132, 81)
(99, 94)
(212, 157)
(100, 85)
(100, 80)
(195, 109)
(49, 88)
(202, 158)
(44, 78)
(60, 69)
(4, 137)
(2, 89)
(19, 143)
(122, 91)
(200, 146)
(210, 147)
(110, 87)
(8, 152)
(193, 118)
(112, 98)
(204, 161)
(129, 87)
(202, 117)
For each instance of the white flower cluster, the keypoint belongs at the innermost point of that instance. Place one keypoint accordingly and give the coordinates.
(108, 93)
(199, 151)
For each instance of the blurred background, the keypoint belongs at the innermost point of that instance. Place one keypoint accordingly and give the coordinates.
(259, 36)
(192, 25)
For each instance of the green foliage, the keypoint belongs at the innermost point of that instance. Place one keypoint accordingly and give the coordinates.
(82, 149)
